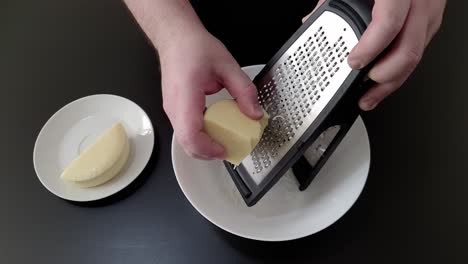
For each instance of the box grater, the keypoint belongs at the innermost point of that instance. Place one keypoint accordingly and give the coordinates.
(311, 95)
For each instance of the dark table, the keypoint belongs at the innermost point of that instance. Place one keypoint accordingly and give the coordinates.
(413, 208)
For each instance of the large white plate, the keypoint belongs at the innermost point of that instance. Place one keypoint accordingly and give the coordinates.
(284, 213)
(79, 124)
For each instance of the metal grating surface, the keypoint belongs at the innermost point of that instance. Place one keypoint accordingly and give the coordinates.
(299, 87)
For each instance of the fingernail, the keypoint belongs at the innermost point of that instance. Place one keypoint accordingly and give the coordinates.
(257, 109)
(355, 63)
(368, 104)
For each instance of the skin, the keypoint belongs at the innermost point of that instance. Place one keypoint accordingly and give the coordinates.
(195, 64)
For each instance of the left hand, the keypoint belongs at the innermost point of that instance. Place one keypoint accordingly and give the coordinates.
(408, 26)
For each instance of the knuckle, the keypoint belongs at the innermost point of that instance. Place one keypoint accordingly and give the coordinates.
(392, 28)
(412, 59)
(186, 140)
(251, 89)
(392, 21)
(245, 92)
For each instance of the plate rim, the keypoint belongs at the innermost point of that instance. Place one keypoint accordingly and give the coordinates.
(58, 112)
(272, 238)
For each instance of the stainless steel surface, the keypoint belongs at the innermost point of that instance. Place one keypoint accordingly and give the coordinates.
(298, 88)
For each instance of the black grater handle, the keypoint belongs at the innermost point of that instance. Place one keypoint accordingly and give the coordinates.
(304, 172)
(363, 8)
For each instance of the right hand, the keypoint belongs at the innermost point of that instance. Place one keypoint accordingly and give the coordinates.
(192, 67)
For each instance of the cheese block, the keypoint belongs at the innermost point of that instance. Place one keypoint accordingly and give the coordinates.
(101, 161)
(238, 133)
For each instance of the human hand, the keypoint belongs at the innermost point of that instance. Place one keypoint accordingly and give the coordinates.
(406, 27)
(194, 66)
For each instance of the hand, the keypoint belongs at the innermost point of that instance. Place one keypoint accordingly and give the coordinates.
(406, 27)
(193, 66)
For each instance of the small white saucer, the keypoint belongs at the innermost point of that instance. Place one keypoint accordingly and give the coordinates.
(284, 213)
(77, 125)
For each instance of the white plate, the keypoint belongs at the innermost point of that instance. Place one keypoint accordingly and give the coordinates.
(284, 213)
(76, 126)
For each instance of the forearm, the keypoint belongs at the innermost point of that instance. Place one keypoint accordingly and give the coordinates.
(165, 21)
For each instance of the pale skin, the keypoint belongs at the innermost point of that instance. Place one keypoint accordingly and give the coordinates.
(195, 64)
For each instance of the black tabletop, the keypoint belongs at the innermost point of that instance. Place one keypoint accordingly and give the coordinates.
(413, 208)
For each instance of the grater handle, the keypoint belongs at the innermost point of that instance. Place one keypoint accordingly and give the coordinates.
(359, 11)
(362, 7)
(303, 170)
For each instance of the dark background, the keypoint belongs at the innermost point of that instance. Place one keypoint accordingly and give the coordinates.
(413, 208)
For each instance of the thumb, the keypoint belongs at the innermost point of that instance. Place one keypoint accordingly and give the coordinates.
(317, 6)
(241, 87)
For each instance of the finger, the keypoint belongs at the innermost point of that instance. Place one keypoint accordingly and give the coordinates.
(376, 94)
(242, 89)
(388, 18)
(406, 52)
(188, 126)
(317, 6)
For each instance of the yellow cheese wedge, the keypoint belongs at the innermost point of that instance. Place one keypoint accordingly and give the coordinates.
(101, 161)
(227, 125)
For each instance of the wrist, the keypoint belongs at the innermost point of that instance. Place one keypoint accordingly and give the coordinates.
(166, 22)
(175, 34)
